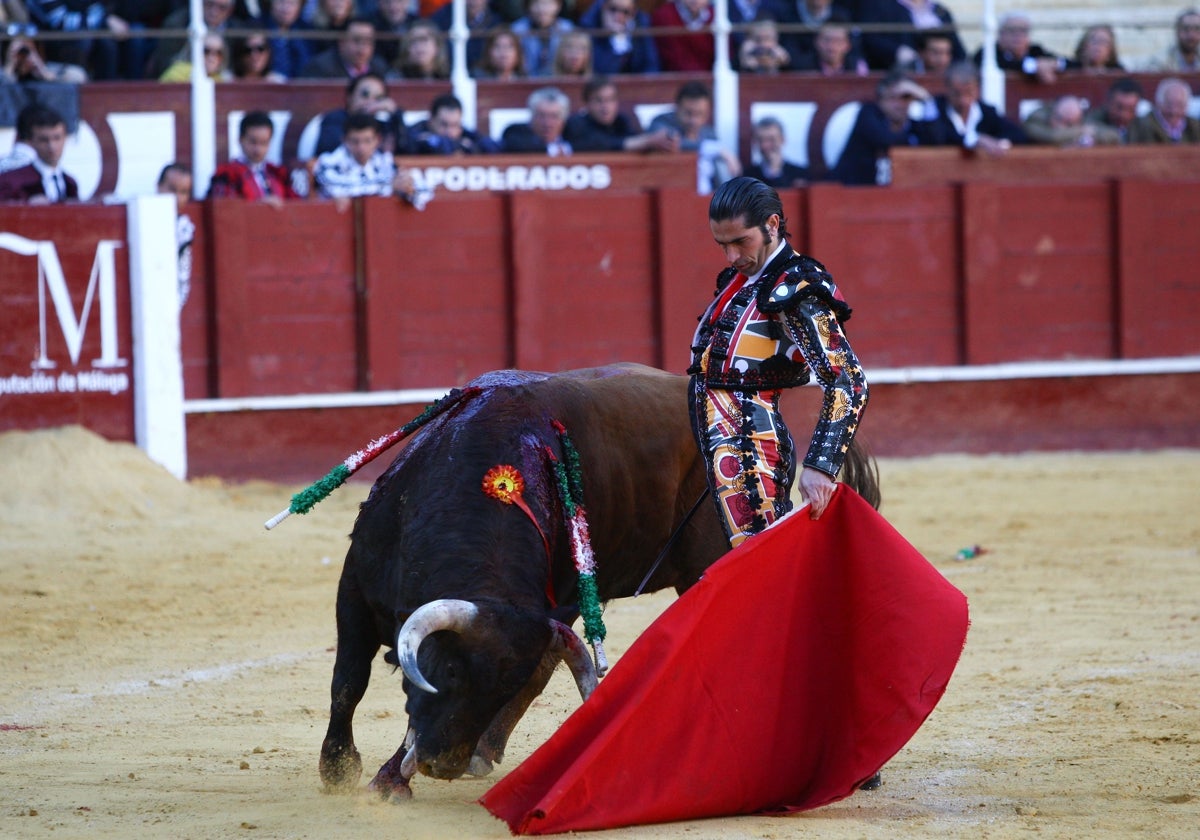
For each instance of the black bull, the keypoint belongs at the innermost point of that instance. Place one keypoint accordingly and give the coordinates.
(429, 537)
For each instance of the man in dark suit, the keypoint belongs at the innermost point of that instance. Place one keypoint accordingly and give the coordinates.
(603, 127)
(351, 57)
(542, 135)
(880, 125)
(42, 181)
(961, 119)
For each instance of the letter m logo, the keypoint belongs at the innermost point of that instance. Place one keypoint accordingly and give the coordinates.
(102, 287)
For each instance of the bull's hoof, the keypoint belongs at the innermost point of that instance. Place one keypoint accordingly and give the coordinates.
(390, 790)
(479, 766)
(873, 783)
(341, 768)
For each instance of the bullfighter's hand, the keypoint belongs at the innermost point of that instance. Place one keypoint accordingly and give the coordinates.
(817, 489)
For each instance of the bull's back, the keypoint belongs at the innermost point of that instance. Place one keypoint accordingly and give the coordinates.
(642, 473)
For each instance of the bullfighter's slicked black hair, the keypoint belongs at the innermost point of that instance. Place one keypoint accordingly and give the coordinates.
(749, 199)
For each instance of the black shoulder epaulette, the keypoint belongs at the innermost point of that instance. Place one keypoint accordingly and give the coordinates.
(801, 277)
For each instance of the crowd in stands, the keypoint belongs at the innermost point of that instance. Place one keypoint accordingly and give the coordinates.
(371, 44)
(126, 39)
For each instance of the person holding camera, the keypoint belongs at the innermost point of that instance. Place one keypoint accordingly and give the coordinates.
(880, 125)
(23, 62)
(761, 51)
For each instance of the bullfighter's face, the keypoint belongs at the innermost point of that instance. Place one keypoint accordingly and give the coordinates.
(746, 248)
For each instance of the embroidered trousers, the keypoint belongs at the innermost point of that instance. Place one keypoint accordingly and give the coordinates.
(751, 459)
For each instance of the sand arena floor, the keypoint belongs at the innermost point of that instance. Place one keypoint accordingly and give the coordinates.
(166, 660)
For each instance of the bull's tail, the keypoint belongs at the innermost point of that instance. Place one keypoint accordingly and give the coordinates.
(861, 473)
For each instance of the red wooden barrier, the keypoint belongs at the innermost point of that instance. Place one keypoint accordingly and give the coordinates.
(916, 166)
(896, 254)
(385, 297)
(1158, 299)
(284, 307)
(1040, 273)
(438, 308)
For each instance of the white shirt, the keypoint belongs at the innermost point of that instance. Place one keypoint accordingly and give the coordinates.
(339, 175)
(969, 129)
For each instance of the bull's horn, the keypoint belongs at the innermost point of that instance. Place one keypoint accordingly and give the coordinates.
(444, 614)
(573, 651)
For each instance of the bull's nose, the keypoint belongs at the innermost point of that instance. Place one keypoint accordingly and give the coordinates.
(441, 768)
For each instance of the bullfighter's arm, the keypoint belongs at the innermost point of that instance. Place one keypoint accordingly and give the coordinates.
(812, 324)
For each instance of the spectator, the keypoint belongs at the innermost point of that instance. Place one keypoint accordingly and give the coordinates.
(833, 53)
(1096, 51)
(134, 50)
(42, 180)
(176, 179)
(935, 52)
(1120, 107)
(23, 62)
(358, 166)
(480, 20)
(96, 54)
(898, 47)
(423, 53)
(22, 152)
(350, 57)
(961, 119)
(543, 134)
(772, 168)
(289, 53)
(250, 176)
(810, 14)
(391, 22)
(216, 65)
(1017, 53)
(1061, 123)
(684, 52)
(574, 54)
(1169, 121)
(880, 125)
(744, 12)
(218, 17)
(368, 94)
(330, 15)
(616, 49)
(1183, 56)
(761, 50)
(691, 122)
(541, 31)
(443, 132)
(502, 58)
(252, 59)
(602, 127)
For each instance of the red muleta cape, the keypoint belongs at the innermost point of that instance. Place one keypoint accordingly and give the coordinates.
(800, 663)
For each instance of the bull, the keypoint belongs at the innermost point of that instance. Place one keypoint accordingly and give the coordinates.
(474, 597)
